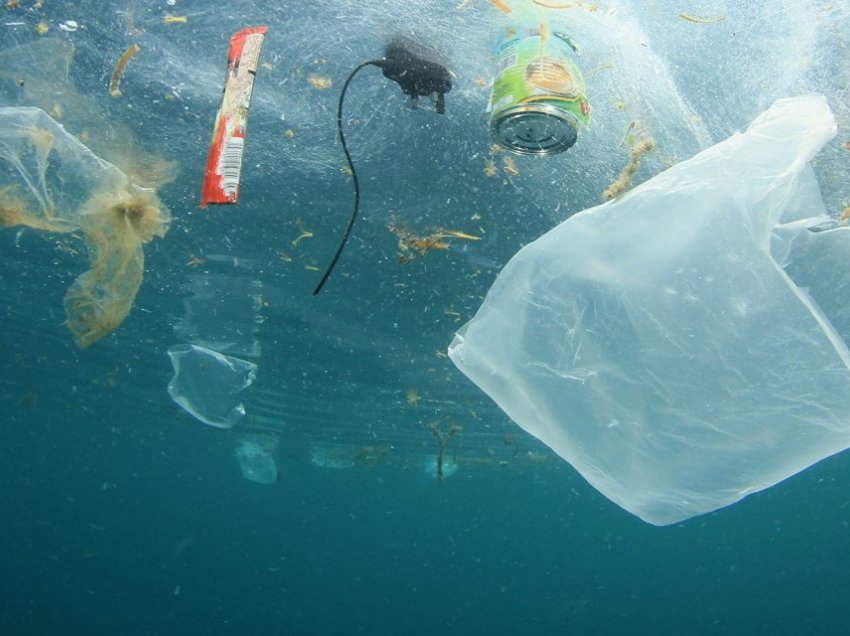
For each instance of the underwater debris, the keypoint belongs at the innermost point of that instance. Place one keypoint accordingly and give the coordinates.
(501, 6)
(320, 82)
(553, 5)
(411, 244)
(622, 183)
(460, 235)
(224, 161)
(207, 384)
(170, 18)
(255, 456)
(116, 217)
(41, 68)
(412, 397)
(699, 20)
(12, 213)
(509, 166)
(195, 261)
(443, 440)
(305, 234)
(116, 225)
(115, 82)
(490, 168)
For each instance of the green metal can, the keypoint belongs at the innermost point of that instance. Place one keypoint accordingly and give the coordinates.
(539, 99)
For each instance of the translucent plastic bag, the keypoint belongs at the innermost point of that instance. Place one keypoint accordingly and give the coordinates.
(255, 455)
(207, 384)
(656, 342)
(50, 181)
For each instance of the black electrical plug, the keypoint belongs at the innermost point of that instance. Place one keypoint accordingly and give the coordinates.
(407, 64)
(417, 71)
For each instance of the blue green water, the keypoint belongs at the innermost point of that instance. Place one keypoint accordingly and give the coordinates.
(122, 514)
(123, 525)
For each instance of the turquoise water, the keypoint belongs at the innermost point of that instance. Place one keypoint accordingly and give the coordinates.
(123, 524)
(121, 513)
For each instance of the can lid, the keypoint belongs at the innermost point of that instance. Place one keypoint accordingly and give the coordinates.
(537, 129)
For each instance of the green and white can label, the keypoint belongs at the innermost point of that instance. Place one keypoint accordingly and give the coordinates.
(539, 99)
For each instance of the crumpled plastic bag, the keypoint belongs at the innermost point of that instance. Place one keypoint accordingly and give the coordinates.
(207, 384)
(51, 182)
(665, 343)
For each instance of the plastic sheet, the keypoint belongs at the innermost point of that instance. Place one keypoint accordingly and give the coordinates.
(656, 342)
(223, 313)
(50, 181)
(207, 384)
(255, 455)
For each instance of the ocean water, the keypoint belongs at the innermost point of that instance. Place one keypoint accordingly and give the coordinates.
(120, 512)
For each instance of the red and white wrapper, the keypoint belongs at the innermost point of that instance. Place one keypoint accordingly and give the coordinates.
(224, 164)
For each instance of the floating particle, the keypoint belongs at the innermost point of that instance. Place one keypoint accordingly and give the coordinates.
(490, 168)
(195, 261)
(289, 133)
(169, 18)
(699, 20)
(320, 82)
(412, 397)
(115, 82)
(69, 26)
(304, 234)
(42, 28)
(460, 235)
(622, 183)
(509, 166)
(411, 244)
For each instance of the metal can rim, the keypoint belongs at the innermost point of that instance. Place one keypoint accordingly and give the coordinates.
(504, 116)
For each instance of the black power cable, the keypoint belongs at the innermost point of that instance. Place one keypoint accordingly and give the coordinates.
(406, 64)
(353, 176)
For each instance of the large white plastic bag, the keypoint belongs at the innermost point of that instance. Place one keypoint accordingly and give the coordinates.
(654, 342)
